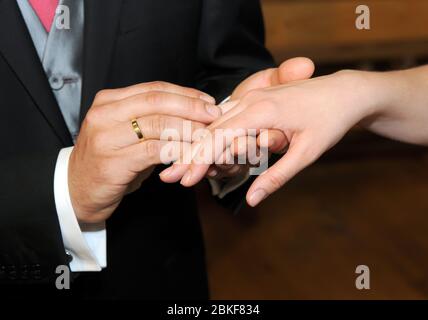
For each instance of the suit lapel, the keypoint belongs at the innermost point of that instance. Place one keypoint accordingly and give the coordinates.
(16, 46)
(101, 25)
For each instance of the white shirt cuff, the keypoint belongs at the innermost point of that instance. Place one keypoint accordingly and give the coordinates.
(87, 244)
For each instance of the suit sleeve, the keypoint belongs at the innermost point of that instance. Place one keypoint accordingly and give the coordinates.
(31, 245)
(231, 45)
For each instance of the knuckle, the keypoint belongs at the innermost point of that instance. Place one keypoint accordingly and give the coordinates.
(126, 91)
(102, 94)
(163, 124)
(151, 148)
(195, 106)
(157, 85)
(154, 98)
(94, 115)
(156, 124)
(192, 92)
(276, 179)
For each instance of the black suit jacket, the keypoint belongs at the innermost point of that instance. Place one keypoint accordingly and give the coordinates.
(155, 247)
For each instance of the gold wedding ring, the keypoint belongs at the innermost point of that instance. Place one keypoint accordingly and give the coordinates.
(137, 129)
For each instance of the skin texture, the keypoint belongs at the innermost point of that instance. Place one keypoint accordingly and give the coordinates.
(315, 114)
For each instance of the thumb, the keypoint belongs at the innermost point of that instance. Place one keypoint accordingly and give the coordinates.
(295, 69)
(294, 161)
(259, 80)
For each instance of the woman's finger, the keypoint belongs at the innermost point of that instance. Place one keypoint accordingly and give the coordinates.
(295, 160)
(212, 147)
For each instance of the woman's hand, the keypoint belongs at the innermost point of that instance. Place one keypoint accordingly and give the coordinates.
(294, 69)
(314, 115)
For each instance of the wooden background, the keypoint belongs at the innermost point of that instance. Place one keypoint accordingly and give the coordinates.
(325, 29)
(365, 202)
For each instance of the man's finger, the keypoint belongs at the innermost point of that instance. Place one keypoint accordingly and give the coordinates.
(112, 95)
(155, 127)
(157, 102)
(174, 173)
(152, 152)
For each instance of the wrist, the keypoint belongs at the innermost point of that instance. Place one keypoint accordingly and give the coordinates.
(370, 93)
(86, 209)
(73, 189)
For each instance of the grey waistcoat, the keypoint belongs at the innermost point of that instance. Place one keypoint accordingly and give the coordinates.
(61, 53)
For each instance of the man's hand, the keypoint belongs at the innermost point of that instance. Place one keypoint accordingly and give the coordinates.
(109, 160)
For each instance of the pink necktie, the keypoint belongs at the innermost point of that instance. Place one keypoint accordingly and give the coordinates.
(45, 10)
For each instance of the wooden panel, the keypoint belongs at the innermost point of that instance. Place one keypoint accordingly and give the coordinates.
(325, 29)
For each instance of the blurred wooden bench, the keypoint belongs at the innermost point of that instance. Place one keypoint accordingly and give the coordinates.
(325, 30)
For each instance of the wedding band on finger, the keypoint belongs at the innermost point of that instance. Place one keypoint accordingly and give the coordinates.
(137, 129)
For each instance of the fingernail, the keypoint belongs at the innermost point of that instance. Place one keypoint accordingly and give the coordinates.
(207, 98)
(187, 178)
(166, 172)
(213, 173)
(258, 196)
(213, 110)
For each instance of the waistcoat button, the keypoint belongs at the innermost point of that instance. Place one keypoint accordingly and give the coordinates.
(56, 82)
